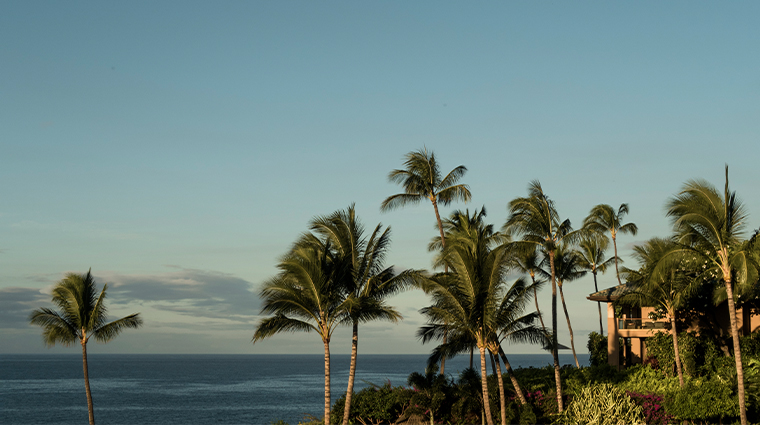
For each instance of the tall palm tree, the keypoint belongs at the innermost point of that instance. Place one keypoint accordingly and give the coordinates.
(566, 269)
(421, 178)
(710, 226)
(305, 296)
(367, 281)
(603, 218)
(535, 220)
(465, 299)
(82, 315)
(590, 256)
(666, 287)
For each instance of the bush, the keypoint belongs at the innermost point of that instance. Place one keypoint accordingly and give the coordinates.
(602, 404)
(709, 400)
(597, 349)
(652, 404)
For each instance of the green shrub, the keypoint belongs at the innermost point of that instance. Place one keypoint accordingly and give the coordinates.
(597, 349)
(602, 404)
(708, 400)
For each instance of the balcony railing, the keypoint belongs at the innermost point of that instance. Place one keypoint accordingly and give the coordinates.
(642, 324)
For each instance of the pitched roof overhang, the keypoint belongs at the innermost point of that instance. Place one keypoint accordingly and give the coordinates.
(610, 294)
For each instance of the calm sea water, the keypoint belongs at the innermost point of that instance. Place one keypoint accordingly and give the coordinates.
(196, 389)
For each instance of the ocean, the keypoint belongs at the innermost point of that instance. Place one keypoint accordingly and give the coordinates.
(197, 389)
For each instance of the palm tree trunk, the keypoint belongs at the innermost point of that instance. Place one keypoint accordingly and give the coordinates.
(493, 362)
(512, 377)
(471, 350)
(90, 410)
(555, 354)
(569, 327)
(446, 268)
(484, 384)
(327, 382)
(617, 271)
(599, 306)
(674, 333)
(502, 398)
(737, 351)
(535, 298)
(351, 372)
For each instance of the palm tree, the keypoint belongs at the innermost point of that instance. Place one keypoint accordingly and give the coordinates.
(566, 269)
(668, 289)
(464, 299)
(535, 219)
(603, 218)
(422, 179)
(529, 262)
(590, 256)
(82, 315)
(366, 279)
(305, 296)
(710, 227)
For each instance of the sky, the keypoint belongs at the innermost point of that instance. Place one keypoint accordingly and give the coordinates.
(179, 148)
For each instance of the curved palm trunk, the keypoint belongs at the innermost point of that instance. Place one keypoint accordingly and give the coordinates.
(569, 327)
(446, 268)
(555, 355)
(674, 333)
(351, 372)
(90, 410)
(493, 362)
(614, 245)
(599, 305)
(512, 377)
(535, 298)
(484, 384)
(502, 398)
(327, 382)
(737, 351)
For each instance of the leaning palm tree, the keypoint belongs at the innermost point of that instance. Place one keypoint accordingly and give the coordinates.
(603, 218)
(366, 279)
(535, 220)
(305, 296)
(422, 179)
(529, 262)
(710, 225)
(82, 315)
(667, 287)
(566, 269)
(590, 257)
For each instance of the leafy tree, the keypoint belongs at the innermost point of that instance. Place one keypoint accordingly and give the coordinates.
(536, 221)
(528, 261)
(709, 226)
(421, 178)
(82, 315)
(305, 296)
(366, 280)
(603, 218)
(590, 257)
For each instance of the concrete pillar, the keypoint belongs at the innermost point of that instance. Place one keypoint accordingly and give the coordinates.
(613, 345)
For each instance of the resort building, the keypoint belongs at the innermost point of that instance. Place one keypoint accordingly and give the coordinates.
(634, 325)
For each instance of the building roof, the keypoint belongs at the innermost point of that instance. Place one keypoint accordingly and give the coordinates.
(611, 294)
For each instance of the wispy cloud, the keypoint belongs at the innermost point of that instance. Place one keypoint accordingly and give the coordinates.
(17, 303)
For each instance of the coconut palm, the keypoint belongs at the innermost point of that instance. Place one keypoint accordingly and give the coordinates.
(529, 262)
(590, 257)
(667, 288)
(305, 296)
(422, 179)
(464, 299)
(603, 218)
(566, 269)
(535, 220)
(82, 315)
(367, 281)
(709, 226)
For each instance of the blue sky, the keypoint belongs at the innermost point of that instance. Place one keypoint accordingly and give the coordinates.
(179, 148)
